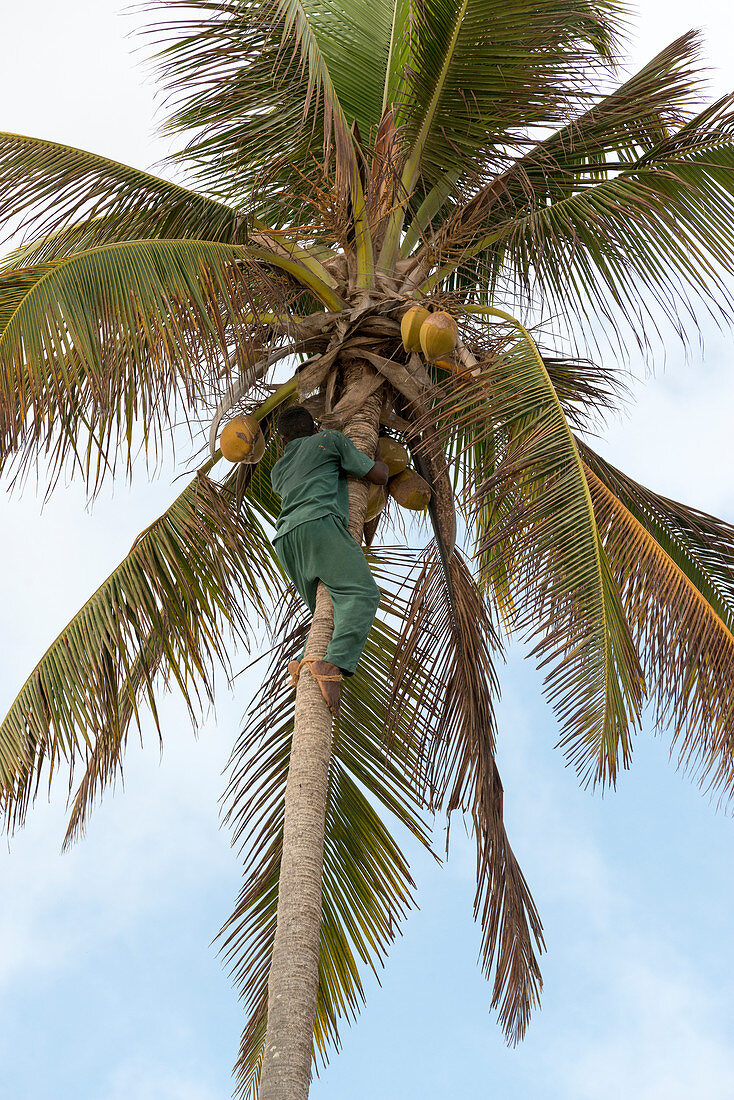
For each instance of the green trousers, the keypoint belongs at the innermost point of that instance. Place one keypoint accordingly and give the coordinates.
(323, 550)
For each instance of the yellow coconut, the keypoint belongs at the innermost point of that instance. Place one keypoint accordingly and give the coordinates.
(393, 453)
(410, 490)
(439, 335)
(376, 501)
(410, 327)
(242, 440)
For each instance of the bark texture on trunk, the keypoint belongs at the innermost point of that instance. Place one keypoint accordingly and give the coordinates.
(294, 970)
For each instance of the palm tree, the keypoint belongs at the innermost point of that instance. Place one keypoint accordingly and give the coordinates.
(351, 161)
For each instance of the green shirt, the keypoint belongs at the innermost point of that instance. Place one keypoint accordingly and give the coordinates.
(311, 478)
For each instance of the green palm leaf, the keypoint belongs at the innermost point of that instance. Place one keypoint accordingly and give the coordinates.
(367, 886)
(345, 46)
(46, 188)
(656, 233)
(67, 200)
(157, 618)
(587, 392)
(609, 135)
(675, 570)
(115, 338)
(542, 529)
(104, 759)
(265, 89)
(475, 75)
(473, 86)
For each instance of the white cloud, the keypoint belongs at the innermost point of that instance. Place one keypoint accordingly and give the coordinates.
(677, 436)
(154, 840)
(659, 1037)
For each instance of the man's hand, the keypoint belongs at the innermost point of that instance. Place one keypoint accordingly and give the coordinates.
(378, 474)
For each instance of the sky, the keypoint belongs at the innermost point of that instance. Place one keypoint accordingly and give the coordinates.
(110, 987)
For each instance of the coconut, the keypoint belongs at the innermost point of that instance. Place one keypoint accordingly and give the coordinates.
(370, 530)
(393, 453)
(410, 490)
(439, 335)
(242, 440)
(376, 501)
(410, 327)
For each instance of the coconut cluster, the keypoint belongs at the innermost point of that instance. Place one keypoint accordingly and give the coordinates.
(404, 485)
(434, 334)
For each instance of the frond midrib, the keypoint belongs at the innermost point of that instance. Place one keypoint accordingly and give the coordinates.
(659, 551)
(98, 159)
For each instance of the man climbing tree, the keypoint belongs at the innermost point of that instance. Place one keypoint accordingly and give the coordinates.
(313, 542)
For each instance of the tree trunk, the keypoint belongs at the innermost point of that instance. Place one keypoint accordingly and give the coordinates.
(294, 969)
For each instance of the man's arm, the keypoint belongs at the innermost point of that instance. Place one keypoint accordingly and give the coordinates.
(378, 474)
(356, 462)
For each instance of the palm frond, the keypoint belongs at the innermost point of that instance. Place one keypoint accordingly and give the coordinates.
(63, 199)
(265, 91)
(610, 134)
(539, 524)
(448, 633)
(114, 339)
(156, 620)
(587, 391)
(66, 200)
(674, 567)
(471, 89)
(103, 761)
(367, 886)
(475, 75)
(645, 237)
(345, 47)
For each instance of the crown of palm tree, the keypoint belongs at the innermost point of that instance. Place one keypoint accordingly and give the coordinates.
(345, 162)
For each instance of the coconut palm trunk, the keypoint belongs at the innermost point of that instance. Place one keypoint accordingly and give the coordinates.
(294, 972)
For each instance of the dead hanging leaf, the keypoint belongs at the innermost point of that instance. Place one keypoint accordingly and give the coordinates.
(397, 374)
(313, 374)
(315, 405)
(435, 470)
(329, 390)
(389, 418)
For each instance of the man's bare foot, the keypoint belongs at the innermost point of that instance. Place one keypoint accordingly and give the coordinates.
(328, 677)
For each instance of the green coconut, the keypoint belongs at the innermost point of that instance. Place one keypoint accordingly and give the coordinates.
(410, 491)
(392, 453)
(439, 335)
(242, 440)
(376, 501)
(410, 327)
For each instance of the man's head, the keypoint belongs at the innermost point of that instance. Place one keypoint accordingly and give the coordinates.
(294, 423)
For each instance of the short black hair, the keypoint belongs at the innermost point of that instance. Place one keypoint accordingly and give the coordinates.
(295, 422)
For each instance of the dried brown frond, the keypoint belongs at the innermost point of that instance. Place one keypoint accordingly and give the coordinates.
(449, 635)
